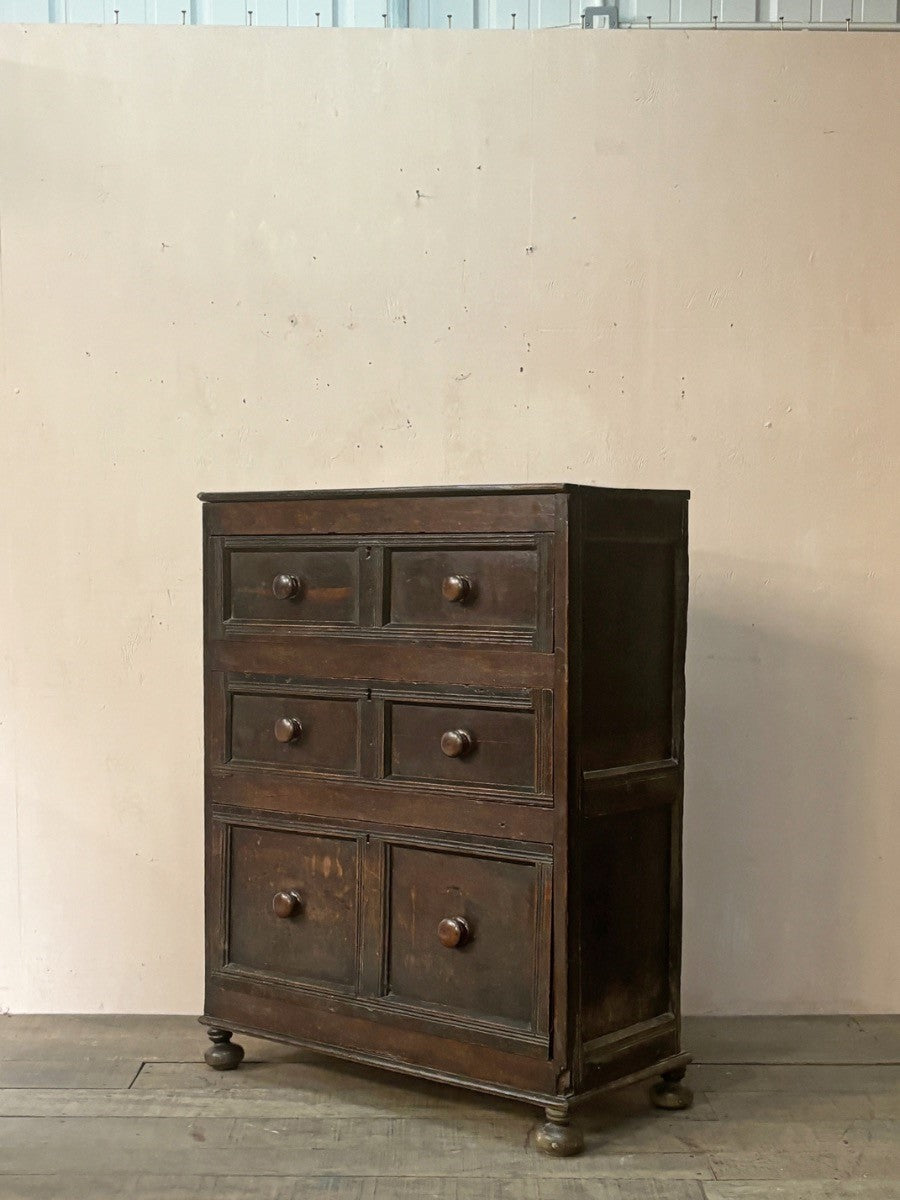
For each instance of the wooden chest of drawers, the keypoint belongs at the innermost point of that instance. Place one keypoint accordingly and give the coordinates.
(444, 784)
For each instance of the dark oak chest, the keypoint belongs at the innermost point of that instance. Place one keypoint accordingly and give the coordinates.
(444, 783)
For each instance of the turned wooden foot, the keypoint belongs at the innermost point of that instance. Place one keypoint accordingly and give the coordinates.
(558, 1136)
(223, 1054)
(670, 1092)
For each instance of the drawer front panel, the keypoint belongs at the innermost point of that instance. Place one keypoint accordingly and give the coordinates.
(294, 732)
(292, 906)
(462, 746)
(290, 584)
(467, 934)
(463, 589)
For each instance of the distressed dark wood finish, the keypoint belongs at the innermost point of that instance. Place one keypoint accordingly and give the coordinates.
(365, 657)
(283, 581)
(461, 587)
(444, 783)
(371, 805)
(461, 935)
(463, 746)
(294, 732)
(292, 906)
(633, 589)
(385, 513)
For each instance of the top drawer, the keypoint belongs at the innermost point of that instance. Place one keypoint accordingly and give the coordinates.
(296, 583)
(459, 587)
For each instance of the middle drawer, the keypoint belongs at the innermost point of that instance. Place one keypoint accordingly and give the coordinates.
(402, 737)
(462, 745)
(296, 731)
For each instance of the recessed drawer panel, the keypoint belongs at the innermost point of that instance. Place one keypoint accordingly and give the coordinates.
(463, 746)
(463, 935)
(292, 906)
(295, 732)
(291, 584)
(464, 589)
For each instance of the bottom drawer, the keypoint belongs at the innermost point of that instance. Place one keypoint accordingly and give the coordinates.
(452, 936)
(291, 908)
(468, 935)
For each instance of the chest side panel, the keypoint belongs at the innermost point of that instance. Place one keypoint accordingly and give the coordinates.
(633, 573)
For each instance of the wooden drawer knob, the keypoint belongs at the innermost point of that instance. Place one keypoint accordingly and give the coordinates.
(453, 931)
(286, 587)
(456, 589)
(456, 742)
(287, 729)
(286, 904)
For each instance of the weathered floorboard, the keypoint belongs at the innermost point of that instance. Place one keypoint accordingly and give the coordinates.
(811, 1106)
(807, 1189)
(814, 1039)
(879, 1163)
(289, 1103)
(236, 1187)
(376, 1147)
(292, 1125)
(76, 1072)
(724, 1080)
(145, 1038)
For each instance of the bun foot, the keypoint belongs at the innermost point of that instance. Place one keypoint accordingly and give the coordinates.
(670, 1092)
(558, 1136)
(223, 1054)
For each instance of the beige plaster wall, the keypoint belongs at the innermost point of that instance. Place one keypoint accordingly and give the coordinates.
(249, 258)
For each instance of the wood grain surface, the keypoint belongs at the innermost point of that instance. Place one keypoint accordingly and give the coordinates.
(99, 1107)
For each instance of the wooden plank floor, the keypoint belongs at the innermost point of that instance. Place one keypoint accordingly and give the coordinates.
(93, 1107)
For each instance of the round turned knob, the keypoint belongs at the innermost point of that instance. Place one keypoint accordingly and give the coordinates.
(457, 742)
(286, 587)
(287, 729)
(453, 931)
(456, 589)
(286, 904)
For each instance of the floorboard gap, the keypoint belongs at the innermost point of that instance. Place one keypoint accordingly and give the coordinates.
(137, 1072)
